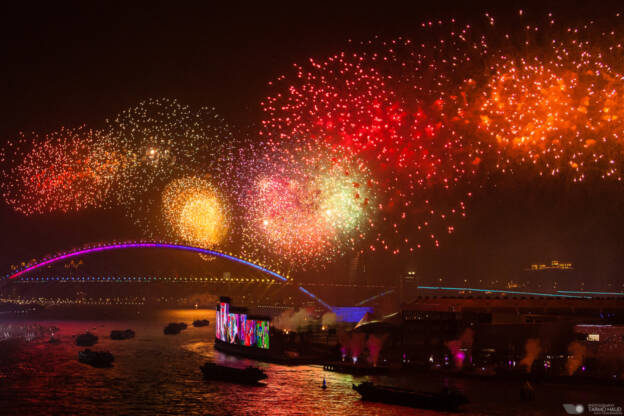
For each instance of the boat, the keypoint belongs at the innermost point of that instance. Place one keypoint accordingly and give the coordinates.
(121, 335)
(174, 328)
(53, 340)
(447, 400)
(201, 322)
(86, 340)
(249, 375)
(98, 359)
(262, 354)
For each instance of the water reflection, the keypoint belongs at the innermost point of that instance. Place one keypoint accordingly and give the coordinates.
(158, 374)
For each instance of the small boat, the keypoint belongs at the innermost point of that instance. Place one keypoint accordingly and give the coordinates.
(201, 322)
(121, 335)
(86, 340)
(447, 400)
(249, 375)
(174, 328)
(98, 359)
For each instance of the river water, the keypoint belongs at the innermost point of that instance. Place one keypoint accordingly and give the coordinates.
(156, 374)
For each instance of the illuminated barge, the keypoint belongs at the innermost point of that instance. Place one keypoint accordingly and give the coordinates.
(240, 333)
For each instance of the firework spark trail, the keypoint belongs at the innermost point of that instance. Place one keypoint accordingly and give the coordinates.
(68, 170)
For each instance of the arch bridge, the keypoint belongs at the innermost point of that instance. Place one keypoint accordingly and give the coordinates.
(159, 245)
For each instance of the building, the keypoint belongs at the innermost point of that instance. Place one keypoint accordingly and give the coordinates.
(499, 331)
(549, 277)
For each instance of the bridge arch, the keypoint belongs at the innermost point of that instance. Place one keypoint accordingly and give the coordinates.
(153, 244)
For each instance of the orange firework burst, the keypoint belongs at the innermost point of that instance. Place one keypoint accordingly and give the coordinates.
(195, 212)
(561, 110)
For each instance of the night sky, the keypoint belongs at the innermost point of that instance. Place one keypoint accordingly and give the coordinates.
(65, 65)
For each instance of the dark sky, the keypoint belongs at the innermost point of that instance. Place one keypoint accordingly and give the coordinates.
(65, 64)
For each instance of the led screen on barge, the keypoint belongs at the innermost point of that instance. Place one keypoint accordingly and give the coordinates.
(235, 327)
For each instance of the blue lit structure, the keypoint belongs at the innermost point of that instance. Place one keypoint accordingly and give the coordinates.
(579, 292)
(351, 314)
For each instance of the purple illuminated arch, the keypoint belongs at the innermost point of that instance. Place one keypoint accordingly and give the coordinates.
(122, 246)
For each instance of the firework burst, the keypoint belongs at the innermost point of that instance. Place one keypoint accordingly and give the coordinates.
(377, 147)
(395, 105)
(556, 103)
(68, 170)
(194, 212)
(308, 207)
(164, 139)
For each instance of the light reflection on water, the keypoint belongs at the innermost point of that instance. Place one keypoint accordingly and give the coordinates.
(155, 374)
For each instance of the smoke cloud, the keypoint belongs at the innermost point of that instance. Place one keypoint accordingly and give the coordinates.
(455, 346)
(576, 356)
(356, 344)
(204, 299)
(329, 319)
(293, 321)
(344, 338)
(375, 344)
(533, 349)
